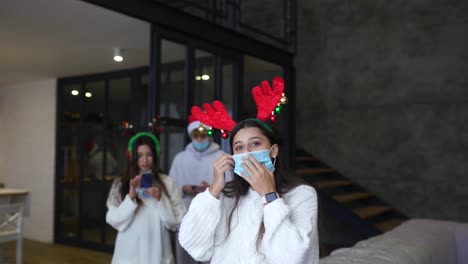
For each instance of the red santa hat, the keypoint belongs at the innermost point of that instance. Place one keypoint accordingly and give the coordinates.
(193, 124)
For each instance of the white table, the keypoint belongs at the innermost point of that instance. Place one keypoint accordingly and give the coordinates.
(10, 196)
(16, 196)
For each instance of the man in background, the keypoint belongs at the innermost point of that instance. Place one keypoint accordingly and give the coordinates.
(192, 170)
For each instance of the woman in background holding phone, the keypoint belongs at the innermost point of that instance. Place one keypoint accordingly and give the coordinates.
(143, 210)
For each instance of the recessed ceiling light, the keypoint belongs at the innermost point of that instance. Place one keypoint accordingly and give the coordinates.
(205, 77)
(117, 55)
(88, 94)
(198, 77)
(75, 92)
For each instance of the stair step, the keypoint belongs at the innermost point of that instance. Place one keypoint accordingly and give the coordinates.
(387, 225)
(314, 170)
(331, 184)
(343, 198)
(305, 158)
(366, 212)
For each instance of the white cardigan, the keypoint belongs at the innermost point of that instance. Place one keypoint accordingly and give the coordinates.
(143, 232)
(290, 229)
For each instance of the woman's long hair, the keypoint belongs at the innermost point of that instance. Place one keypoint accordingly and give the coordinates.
(239, 187)
(133, 170)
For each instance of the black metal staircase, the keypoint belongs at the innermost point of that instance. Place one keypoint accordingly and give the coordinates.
(345, 199)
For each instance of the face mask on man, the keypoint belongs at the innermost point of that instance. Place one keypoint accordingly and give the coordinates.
(201, 146)
(262, 156)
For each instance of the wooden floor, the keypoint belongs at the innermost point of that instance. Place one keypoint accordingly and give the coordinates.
(44, 253)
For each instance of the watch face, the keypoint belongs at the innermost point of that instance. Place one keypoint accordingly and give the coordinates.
(270, 197)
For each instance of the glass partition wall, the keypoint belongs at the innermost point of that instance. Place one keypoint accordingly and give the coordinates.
(91, 150)
(90, 146)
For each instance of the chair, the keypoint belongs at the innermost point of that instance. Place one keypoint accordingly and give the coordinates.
(11, 226)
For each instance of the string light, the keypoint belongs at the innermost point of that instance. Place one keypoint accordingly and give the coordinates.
(278, 108)
(224, 134)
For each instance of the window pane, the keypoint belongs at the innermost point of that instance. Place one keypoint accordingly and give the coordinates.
(93, 153)
(255, 71)
(228, 96)
(116, 147)
(172, 80)
(172, 142)
(119, 100)
(94, 103)
(139, 109)
(228, 91)
(69, 155)
(69, 213)
(71, 103)
(204, 77)
(91, 218)
(263, 21)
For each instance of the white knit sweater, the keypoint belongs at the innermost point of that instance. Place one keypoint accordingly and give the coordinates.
(143, 236)
(290, 228)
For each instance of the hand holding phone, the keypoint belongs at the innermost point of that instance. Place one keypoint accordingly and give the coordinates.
(146, 180)
(154, 192)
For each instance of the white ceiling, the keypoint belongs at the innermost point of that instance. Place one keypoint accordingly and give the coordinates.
(41, 39)
(58, 38)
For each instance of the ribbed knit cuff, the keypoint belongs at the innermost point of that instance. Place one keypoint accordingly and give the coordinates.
(208, 198)
(274, 213)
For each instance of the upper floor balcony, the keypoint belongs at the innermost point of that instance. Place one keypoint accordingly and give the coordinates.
(272, 22)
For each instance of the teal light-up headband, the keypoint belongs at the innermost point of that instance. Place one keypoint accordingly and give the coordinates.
(142, 134)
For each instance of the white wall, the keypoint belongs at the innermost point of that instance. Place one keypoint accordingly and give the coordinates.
(2, 133)
(28, 113)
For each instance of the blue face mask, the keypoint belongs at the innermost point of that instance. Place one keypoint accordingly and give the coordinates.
(262, 156)
(201, 146)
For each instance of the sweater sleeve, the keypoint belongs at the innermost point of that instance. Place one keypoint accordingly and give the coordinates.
(198, 228)
(295, 223)
(119, 213)
(176, 173)
(171, 208)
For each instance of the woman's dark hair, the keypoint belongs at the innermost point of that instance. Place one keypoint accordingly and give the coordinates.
(132, 167)
(239, 187)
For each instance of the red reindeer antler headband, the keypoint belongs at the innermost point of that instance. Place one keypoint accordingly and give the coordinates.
(269, 102)
(215, 116)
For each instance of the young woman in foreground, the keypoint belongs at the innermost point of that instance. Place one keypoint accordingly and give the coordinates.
(260, 216)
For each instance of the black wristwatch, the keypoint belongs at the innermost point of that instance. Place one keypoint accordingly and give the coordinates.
(270, 197)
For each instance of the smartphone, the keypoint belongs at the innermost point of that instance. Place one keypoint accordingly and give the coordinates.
(147, 180)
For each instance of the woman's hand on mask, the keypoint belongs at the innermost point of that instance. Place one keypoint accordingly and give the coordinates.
(154, 192)
(134, 184)
(222, 164)
(261, 179)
